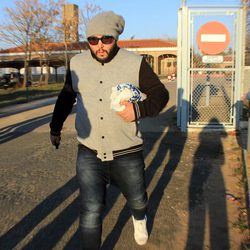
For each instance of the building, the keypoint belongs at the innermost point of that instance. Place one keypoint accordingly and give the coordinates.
(160, 54)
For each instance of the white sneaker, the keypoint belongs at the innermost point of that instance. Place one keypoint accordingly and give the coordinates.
(140, 231)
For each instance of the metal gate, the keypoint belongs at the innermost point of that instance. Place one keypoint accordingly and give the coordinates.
(209, 75)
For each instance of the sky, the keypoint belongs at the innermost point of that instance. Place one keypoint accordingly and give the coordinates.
(143, 18)
(148, 18)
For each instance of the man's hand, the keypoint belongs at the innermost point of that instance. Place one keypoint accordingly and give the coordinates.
(55, 140)
(128, 113)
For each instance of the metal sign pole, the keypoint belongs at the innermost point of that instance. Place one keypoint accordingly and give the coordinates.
(179, 91)
(185, 74)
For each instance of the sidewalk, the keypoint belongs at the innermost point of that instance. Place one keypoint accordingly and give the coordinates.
(14, 109)
(193, 190)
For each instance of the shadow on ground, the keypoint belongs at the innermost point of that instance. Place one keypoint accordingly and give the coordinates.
(172, 142)
(207, 193)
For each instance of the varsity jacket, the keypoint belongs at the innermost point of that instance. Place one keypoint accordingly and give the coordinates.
(90, 82)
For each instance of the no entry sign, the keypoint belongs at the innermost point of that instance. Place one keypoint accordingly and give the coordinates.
(213, 38)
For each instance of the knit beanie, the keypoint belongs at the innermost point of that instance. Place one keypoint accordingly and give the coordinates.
(106, 23)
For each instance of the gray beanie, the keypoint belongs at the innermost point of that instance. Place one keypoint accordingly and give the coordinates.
(106, 23)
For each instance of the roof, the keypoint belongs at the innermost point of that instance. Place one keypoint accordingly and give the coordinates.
(142, 43)
(146, 43)
(50, 47)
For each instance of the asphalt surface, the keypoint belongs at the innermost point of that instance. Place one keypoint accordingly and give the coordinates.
(189, 178)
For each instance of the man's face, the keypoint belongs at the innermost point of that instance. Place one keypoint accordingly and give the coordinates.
(101, 46)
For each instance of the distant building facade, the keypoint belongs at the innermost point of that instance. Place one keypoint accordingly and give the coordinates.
(160, 54)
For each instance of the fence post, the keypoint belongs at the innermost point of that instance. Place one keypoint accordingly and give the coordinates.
(248, 127)
(248, 136)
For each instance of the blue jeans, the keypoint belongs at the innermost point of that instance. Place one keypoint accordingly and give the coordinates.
(126, 172)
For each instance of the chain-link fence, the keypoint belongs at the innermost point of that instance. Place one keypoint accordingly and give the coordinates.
(211, 96)
(212, 48)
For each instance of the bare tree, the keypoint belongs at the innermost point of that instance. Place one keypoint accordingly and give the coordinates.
(64, 35)
(45, 33)
(86, 13)
(28, 22)
(17, 28)
(34, 25)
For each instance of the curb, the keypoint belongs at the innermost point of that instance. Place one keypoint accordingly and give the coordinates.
(246, 169)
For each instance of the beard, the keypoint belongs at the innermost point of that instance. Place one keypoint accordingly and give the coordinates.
(102, 54)
(109, 55)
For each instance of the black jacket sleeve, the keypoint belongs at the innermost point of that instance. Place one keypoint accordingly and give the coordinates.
(157, 94)
(64, 105)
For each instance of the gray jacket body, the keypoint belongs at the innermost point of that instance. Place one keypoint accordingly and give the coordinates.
(98, 127)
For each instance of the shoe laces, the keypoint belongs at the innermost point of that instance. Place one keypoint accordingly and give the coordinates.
(140, 225)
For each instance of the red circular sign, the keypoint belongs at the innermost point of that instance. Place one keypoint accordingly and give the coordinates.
(213, 38)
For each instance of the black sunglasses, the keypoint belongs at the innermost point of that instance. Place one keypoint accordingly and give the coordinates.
(93, 40)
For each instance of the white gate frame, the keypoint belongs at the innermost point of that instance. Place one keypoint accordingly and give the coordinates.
(183, 63)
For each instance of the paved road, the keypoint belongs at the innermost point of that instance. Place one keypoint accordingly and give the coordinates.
(188, 177)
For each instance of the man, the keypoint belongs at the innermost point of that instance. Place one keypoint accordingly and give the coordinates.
(110, 145)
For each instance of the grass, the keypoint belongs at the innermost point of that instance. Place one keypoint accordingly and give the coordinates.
(22, 95)
(238, 171)
(241, 222)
